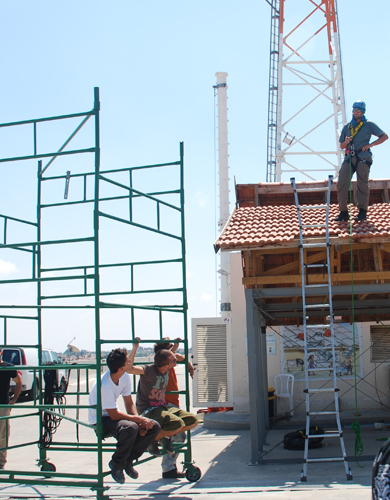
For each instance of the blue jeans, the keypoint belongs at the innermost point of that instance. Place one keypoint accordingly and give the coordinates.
(168, 461)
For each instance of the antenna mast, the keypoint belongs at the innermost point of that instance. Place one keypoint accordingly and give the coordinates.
(306, 106)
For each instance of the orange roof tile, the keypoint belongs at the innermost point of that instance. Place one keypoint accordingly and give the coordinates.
(269, 225)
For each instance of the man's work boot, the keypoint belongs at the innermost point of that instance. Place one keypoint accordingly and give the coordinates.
(131, 472)
(154, 450)
(117, 474)
(343, 215)
(173, 474)
(362, 215)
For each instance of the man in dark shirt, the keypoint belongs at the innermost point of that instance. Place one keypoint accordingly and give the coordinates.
(150, 402)
(5, 380)
(355, 139)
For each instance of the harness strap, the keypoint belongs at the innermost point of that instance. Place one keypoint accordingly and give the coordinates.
(351, 149)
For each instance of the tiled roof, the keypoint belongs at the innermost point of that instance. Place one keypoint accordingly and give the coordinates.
(273, 225)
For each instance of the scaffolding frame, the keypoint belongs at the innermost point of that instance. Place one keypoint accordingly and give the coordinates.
(89, 273)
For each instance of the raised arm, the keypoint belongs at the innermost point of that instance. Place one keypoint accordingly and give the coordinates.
(136, 370)
(175, 345)
(134, 350)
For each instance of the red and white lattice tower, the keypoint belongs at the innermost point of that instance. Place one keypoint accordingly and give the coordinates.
(306, 108)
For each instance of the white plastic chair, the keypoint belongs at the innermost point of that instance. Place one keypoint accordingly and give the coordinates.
(284, 388)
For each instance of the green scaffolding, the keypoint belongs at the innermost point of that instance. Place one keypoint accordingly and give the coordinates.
(98, 188)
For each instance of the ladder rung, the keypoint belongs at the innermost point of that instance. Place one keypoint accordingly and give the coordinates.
(322, 412)
(328, 435)
(313, 207)
(321, 369)
(313, 306)
(303, 190)
(335, 459)
(331, 389)
(318, 326)
(315, 265)
(314, 245)
(313, 286)
(313, 225)
(319, 348)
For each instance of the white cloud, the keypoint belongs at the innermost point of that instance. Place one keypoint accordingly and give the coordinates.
(7, 267)
(145, 303)
(206, 297)
(201, 199)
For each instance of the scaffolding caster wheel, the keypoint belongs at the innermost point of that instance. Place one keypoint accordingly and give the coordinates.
(349, 476)
(303, 478)
(193, 474)
(48, 467)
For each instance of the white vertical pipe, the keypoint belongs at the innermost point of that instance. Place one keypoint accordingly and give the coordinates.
(279, 156)
(224, 207)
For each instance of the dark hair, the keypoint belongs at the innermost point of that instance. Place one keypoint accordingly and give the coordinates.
(116, 359)
(161, 357)
(162, 345)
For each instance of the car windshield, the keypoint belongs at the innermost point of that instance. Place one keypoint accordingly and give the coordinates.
(11, 356)
(45, 357)
(54, 357)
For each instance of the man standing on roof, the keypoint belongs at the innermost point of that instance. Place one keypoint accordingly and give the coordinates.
(355, 139)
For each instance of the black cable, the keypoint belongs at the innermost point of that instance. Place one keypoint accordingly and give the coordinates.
(52, 395)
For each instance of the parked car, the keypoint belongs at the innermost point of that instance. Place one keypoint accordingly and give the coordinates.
(29, 357)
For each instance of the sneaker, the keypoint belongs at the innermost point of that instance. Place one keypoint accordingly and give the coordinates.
(131, 472)
(168, 446)
(343, 215)
(173, 474)
(362, 215)
(154, 450)
(117, 474)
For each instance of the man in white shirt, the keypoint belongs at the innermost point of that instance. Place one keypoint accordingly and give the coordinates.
(133, 432)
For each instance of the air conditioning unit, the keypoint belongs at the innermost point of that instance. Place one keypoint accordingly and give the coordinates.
(211, 357)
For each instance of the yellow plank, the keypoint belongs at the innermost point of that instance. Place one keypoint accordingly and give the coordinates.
(317, 278)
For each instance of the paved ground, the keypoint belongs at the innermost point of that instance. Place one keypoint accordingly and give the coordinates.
(223, 457)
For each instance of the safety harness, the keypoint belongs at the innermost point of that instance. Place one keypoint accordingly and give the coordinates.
(350, 151)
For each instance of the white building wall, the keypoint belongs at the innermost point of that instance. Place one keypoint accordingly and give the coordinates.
(375, 380)
(239, 341)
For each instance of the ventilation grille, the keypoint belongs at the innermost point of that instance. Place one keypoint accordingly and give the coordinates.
(380, 343)
(212, 363)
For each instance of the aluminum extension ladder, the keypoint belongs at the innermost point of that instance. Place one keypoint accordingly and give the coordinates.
(322, 242)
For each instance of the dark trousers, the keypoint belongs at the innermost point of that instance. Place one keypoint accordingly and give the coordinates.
(130, 445)
(362, 170)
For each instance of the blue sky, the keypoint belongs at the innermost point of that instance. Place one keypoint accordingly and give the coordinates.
(155, 63)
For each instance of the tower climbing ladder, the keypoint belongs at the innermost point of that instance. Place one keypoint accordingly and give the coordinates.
(323, 308)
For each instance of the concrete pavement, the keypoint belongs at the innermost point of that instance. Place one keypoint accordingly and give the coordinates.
(222, 455)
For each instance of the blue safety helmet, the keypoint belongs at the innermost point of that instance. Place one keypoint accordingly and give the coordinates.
(359, 105)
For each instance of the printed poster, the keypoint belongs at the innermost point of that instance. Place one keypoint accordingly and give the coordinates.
(319, 354)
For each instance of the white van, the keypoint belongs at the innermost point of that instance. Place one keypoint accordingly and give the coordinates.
(28, 356)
